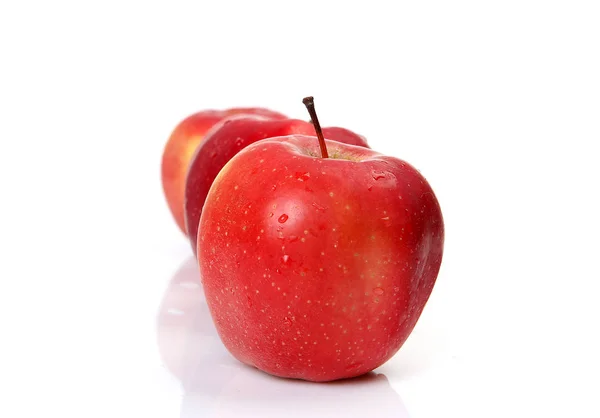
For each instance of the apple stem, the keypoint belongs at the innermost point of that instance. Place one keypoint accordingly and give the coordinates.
(309, 102)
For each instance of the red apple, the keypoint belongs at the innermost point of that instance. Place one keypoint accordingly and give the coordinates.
(181, 146)
(229, 137)
(317, 268)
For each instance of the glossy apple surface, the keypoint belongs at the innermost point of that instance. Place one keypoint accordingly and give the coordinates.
(181, 146)
(313, 268)
(226, 140)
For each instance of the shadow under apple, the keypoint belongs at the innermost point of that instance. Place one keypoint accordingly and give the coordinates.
(217, 385)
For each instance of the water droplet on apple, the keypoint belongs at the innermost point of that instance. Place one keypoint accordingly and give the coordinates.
(370, 188)
(283, 218)
(353, 366)
(285, 259)
(318, 207)
(293, 238)
(377, 174)
(386, 221)
(302, 176)
(378, 291)
(287, 322)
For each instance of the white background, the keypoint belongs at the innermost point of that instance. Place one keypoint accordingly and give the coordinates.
(496, 102)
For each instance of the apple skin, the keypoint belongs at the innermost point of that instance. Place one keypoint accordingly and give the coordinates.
(180, 148)
(317, 269)
(229, 137)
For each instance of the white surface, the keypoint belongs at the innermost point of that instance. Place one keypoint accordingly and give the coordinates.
(497, 104)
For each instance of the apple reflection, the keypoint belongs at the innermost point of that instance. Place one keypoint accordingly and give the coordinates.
(217, 385)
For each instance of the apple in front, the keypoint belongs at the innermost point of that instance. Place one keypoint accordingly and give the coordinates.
(225, 140)
(318, 268)
(181, 146)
